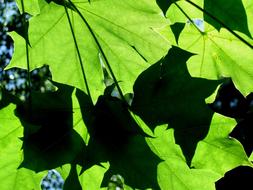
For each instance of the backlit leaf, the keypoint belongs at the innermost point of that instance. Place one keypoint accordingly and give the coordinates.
(125, 35)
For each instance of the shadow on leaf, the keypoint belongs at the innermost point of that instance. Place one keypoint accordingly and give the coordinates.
(238, 177)
(72, 182)
(164, 4)
(166, 93)
(115, 137)
(49, 139)
(231, 103)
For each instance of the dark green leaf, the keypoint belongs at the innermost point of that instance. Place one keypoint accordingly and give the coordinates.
(166, 93)
(165, 4)
(115, 137)
(49, 138)
(232, 13)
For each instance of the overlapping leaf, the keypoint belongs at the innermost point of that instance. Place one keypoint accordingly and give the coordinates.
(219, 54)
(124, 33)
(121, 37)
(11, 155)
(218, 151)
(215, 155)
(230, 14)
(166, 93)
(49, 139)
(30, 6)
(117, 139)
(174, 172)
(249, 12)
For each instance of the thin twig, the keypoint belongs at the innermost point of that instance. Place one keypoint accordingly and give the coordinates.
(187, 16)
(221, 23)
(27, 53)
(78, 52)
(100, 49)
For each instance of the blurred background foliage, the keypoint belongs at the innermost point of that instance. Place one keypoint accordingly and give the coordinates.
(17, 81)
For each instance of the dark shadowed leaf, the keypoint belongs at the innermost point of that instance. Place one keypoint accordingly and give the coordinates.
(72, 182)
(166, 93)
(238, 177)
(232, 13)
(11, 155)
(49, 138)
(115, 137)
(165, 4)
(177, 29)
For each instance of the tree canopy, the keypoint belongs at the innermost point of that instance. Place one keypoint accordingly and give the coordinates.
(130, 94)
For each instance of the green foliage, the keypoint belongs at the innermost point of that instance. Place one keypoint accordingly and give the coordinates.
(217, 148)
(172, 55)
(12, 155)
(173, 172)
(121, 38)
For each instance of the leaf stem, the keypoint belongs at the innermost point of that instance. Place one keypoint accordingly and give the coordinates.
(187, 16)
(78, 52)
(27, 52)
(100, 49)
(221, 23)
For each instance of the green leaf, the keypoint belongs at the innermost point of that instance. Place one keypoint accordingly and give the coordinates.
(30, 6)
(165, 4)
(166, 93)
(11, 155)
(129, 45)
(95, 174)
(174, 172)
(115, 137)
(91, 178)
(251, 157)
(248, 4)
(231, 13)
(218, 151)
(218, 55)
(176, 12)
(218, 13)
(96, 43)
(49, 139)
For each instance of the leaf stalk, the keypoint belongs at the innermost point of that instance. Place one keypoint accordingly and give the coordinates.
(78, 51)
(221, 23)
(100, 49)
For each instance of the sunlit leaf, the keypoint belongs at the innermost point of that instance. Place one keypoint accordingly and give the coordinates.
(218, 151)
(251, 157)
(98, 134)
(174, 172)
(125, 35)
(11, 155)
(30, 6)
(218, 55)
(248, 4)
